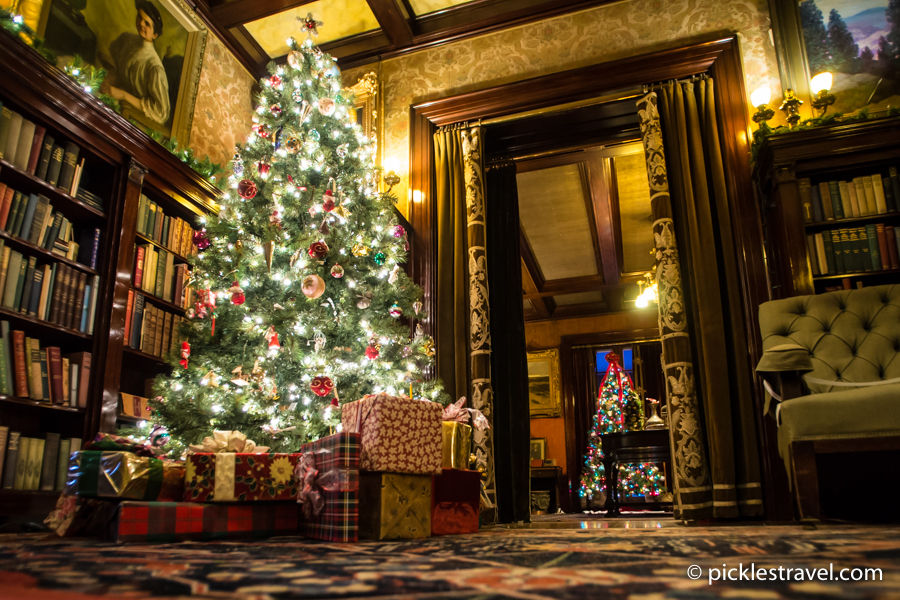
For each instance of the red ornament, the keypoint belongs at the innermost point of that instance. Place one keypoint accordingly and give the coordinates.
(276, 109)
(334, 402)
(321, 385)
(399, 231)
(328, 201)
(237, 294)
(318, 250)
(261, 129)
(185, 354)
(275, 80)
(275, 219)
(200, 240)
(247, 189)
(272, 336)
(263, 168)
(372, 351)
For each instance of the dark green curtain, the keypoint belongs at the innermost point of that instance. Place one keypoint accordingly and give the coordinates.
(701, 216)
(509, 364)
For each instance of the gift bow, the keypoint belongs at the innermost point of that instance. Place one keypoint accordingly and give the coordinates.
(228, 441)
(459, 413)
(109, 442)
(312, 484)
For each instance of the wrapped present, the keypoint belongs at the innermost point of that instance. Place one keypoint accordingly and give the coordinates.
(328, 473)
(397, 434)
(394, 506)
(157, 522)
(80, 516)
(240, 477)
(455, 496)
(228, 441)
(112, 474)
(456, 444)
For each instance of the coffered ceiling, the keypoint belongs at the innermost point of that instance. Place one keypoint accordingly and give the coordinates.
(362, 31)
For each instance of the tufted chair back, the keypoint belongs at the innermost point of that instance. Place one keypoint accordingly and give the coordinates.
(851, 335)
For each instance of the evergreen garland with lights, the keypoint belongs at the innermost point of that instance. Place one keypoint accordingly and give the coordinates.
(619, 408)
(303, 304)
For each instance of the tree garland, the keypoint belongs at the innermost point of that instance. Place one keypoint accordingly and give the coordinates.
(205, 167)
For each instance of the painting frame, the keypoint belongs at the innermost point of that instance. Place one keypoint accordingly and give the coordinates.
(195, 48)
(365, 98)
(547, 406)
(538, 449)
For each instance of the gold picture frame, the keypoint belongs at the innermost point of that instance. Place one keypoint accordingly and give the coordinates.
(538, 449)
(365, 95)
(544, 384)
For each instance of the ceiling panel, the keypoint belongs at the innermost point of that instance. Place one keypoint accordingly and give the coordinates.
(579, 298)
(555, 221)
(424, 7)
(634, 212)
(341, 18)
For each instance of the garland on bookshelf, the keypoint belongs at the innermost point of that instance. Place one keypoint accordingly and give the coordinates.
(89, 78)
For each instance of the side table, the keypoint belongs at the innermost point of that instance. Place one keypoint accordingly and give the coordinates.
(627, 447)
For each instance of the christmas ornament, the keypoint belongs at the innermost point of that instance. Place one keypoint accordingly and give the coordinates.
(275, 220)
(237, 294)
(428, 347)
(326, 106)
(256, 373)
(318, 250)
(295, 257)
(247, 189)
(379, 258)
(159, 436)
(406, 352)
(185, 354)
(275, 110)
(373, 350)
(341, 211)
(268, 252)
(239, 378)
(295, 60)
(237, 165)
(272, 336)
(261, 129)
(337, 271)
(313, 286)
(395, 311)
(323, 228)
(365, 301)
(200, 240)
(297, 97)
(395, 273)
(399, 231)
(275, 80)
(417, 306)
(263, 168)
(311, 25)
(207, 300)
(292, 145)
(319, 341)
(321, 385)
(211, 379)
(328, 201)
(190, 314)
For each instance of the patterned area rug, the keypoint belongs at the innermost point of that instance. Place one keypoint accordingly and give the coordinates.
(530, 564)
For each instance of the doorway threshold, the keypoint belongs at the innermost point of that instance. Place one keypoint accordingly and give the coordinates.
(639, 520)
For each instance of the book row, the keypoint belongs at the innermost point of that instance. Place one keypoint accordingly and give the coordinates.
(32, 218)
(35, 463)
(54, 293)
(875, 247)
(862, 197)
(43, 374)
(150, 329)
(156, 273)
(29, 148)
(173, 233)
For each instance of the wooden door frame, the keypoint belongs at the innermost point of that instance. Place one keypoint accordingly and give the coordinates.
(720, 58)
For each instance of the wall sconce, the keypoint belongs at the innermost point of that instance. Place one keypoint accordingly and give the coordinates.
(819, 85)
(791, 107)
(390, 176)
(760, 99)
(648, 294)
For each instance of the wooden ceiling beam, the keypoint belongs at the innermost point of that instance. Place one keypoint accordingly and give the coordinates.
(599, 177)
(585, 175)
(576, 285)
(533, 280)
(394, 20)
(238, 12)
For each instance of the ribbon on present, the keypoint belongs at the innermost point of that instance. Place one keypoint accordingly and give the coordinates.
(457, 412)
(228, 441)
(312, 484)
(108, 442)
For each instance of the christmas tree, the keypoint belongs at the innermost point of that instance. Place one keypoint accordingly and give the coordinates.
(303, 303)
(619, 408)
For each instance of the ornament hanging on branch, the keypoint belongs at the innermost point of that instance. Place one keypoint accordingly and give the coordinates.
(318, 250)
(239, 378)
(395, 273)
(295, 60)
(210, 379)
(379, 258)
(326, 106)
(395, 310)
(360, 250)
(272, 337)
(313, 286)
(247, 189)
(200, 240)
(319, 340)
(256, 373)
(428, 347)
(268, 253)
(206, 305)
(365, 301)
(321, 385)
(373, 350)
(185, 354)
(337, 271)
(159, 436)
(417, 306)
(263, 168)
(237, 294)
(237, 165)
(275, 220)
(275, 80)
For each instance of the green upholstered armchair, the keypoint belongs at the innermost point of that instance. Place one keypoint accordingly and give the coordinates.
(817, 352)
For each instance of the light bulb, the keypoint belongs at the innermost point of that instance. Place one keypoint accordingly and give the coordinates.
(761, 96)
(821, 82)
(641, 302)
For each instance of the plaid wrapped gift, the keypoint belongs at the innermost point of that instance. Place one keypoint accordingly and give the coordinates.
(240, 477)
(338, 520)
(399, 435)
(94, 473)
(455, 495)
(156, 522)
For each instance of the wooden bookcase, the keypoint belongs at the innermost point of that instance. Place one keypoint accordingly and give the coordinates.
(121, 162)
(837, 152)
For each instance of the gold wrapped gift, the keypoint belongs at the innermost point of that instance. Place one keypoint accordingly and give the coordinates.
(456, 442)
(94, 473)
(394, 506)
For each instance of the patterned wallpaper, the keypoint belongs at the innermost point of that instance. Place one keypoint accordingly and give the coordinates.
(223, 110)
(575, 40)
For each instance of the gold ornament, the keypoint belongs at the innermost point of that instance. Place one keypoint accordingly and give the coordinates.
(269, 250)
(296, 256)
(240, 379)
(212, 380)
(341, 211)
(428, 347)
(257, 374)
(360, 250)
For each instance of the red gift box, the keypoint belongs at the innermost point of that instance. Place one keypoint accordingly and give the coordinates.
(156, 522)
(398, 435)
(455, 498)
(240, 477)
(336, 460)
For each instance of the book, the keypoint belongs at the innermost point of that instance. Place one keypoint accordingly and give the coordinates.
(855, 254)
(168, 277)
(74, 385)
(837, 252)
(44, 160)
(85, 308)
(27, 284)
(5, 254)
(158, 333)
(869, 192)
(150, 261)
(6, 116)
(4, 437)
(131, 405)
(12, 139)
(12, 456)
(827, 204)
(894, 178)
(35, 460)
(37, 283)
(166, 334)
(76, 180)
(56, 299)
(21, 470)
(92, 308)
(889, 199)
(878, 192)
(76, 444)
(891, 235)
(53, 232)
(23, 146)
(35, 383)
(139, 258)
(24, 229)
(854, 200)
(20, 284)
(12, 274)
(883, 246)
(149, 326)
(803, 188)
(6, 371)
(36, 145)
(65, 380)
(863, 245)
(874, 246)
(21, 374)
(48, 464)
(89, 247)
(62, 464)
(5, 205)
(55, 368)
(16, 213)
(56, 160)
(81, 360)
(67, 169)
(129, 316)
(43, 302)
(844, 195)
(78, 301)
(137, 321)
(813, 253)
(160, 279)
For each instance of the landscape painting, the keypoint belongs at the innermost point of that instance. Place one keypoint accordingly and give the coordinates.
(858, 41)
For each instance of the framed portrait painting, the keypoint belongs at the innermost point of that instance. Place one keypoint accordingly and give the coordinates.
(544, 384)
(152, 51)
(857, 41)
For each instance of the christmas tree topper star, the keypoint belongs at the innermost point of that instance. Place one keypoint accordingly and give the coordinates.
(311, 25)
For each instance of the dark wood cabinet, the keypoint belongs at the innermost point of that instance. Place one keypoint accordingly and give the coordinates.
(839, 152)
(122, 163)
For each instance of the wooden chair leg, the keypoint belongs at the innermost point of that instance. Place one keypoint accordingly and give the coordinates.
(806, 481)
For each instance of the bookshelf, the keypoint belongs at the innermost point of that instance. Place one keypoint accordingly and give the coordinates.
(841, 152)
(120, 165)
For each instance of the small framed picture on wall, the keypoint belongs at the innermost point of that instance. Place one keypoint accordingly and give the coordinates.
(538, 449)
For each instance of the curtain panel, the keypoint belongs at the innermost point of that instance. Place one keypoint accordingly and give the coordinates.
(705, 360)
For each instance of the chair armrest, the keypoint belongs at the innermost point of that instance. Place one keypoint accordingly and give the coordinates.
(783, 367)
